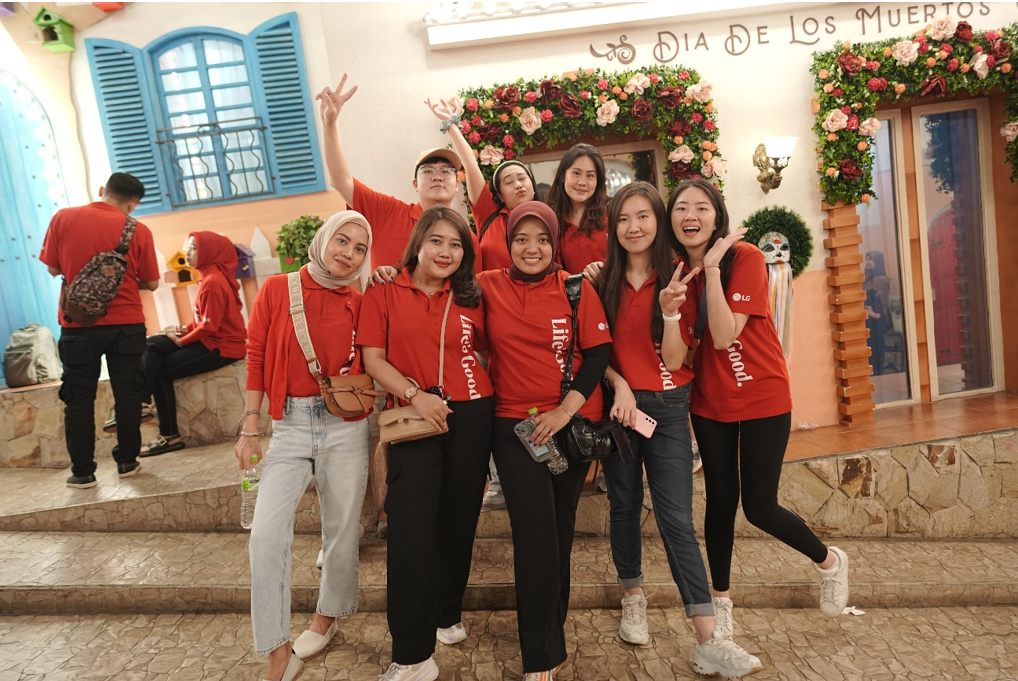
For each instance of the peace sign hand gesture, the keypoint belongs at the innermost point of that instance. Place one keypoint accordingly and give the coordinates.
(720, 247)
(333, 101)
(673, 296)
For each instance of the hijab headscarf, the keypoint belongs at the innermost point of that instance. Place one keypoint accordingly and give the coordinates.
(216, 253)
(544, 213)
(316, 251)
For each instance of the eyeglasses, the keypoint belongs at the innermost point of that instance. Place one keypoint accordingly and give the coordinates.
(445, 172)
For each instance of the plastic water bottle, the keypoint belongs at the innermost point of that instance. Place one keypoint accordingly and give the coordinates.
(548, 453)
(249, 480)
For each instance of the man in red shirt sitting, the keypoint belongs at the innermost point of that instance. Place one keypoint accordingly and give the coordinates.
(74, 237)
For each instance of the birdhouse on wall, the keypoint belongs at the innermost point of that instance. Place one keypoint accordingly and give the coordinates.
(179, 274)
(245, 262)
(57, 34)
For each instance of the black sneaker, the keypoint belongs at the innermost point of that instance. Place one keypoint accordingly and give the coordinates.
(81, 481)
(126, 470)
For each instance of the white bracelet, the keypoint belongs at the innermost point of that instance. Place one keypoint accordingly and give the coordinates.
(673, 318)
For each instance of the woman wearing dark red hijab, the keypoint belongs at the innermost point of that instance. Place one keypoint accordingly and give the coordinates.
(214, 338)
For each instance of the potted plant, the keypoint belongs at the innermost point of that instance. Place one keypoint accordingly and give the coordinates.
(293, 239)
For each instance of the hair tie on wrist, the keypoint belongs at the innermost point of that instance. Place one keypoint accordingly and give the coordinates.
(671, 318)
(448, 123)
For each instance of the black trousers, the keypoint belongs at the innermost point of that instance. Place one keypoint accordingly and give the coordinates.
(81, 352)
(165, 361)
(760, 443)
(435, 490)
(542, 512)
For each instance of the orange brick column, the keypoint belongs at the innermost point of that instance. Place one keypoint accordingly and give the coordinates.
(848, 315)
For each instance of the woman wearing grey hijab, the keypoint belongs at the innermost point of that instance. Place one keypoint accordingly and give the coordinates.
(307, 440)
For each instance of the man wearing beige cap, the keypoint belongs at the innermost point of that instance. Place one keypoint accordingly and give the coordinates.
(436, 180)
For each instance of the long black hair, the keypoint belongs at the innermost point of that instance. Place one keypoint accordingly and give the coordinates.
(596, 208)
(462, 282)
(496, 193)
(721, 228)
(613, 276)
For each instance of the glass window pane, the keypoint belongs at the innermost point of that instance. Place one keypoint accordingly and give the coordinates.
(181, 80)
(252, 182)
(884, 280)
(226, 75)
(236, 117)
(193, 145)
(222, 52)
(188, 120)
(202, 189)
(198, 165)
(192, 101)
(244, 160)
(179, 57)
(242, 139)
(954, 236)
(232, 96)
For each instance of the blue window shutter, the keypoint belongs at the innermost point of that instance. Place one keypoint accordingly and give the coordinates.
(287, 103)
(121, 86)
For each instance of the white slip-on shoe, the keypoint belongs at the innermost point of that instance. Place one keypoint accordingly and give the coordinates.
(310, 644)
(450, 636)
(723, 622)
(321, 559)
(294, 668)
(834, 585)
(422, 671)
(633, 627)
(724, 657)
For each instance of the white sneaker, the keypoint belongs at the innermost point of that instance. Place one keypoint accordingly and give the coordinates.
(310, 644)
(723, 622)
(834, 585)
(494, 499)
(450, 636)
(321, 559)
(422, 671)
(724, 657)
(633, 628)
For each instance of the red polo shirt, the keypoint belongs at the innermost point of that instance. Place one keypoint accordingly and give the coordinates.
(634, 353)
(494, 248)
(406, 322)
(749, 379)
(76, 235)
(529, 326)
(218, 323)
(577, 250)
(391, 222)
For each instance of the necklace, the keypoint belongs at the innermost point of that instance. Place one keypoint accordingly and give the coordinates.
(424, 290)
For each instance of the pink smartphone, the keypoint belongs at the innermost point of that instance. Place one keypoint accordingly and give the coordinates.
(643, 424)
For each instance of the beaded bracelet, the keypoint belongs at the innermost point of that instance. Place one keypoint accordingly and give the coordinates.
(448, 123)
(243, 434)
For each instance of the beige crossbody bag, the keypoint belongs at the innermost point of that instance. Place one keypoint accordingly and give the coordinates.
(403, 424)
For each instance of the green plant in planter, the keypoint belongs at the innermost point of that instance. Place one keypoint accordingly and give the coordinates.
(293, 239)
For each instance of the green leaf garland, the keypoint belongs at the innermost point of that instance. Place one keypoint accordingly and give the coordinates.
(783, 221)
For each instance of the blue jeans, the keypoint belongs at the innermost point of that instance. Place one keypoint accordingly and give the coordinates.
(308, 441)
(668, 456)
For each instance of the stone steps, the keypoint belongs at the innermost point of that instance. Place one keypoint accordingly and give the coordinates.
(75, 572)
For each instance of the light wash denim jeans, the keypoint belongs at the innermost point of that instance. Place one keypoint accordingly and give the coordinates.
(668, 456)
(308, 441)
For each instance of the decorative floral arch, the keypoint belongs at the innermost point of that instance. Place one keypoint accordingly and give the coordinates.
(943, 58)
(670, 103)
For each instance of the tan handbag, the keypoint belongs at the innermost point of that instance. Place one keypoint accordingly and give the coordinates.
(347, 397)
(403, 424)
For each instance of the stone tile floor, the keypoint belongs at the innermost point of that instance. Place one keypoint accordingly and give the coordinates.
(794, 645)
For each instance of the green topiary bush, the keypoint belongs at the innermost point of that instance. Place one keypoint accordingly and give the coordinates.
(784, 221)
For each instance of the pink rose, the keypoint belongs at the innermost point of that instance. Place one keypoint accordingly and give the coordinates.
(474, 137)
(872, 65)
(654, 78)
(924, 47)
(607, 113)
(952, 65)
(699, 92)
(943, 28)
(681, 155)
(696, 117)
(637, 84)
(1010, 131)
(683, 75)
(465, 127)
(547, 115)
(584, 94)
(838, 92)
(715, 167)
(847, 110)
(876, 84)
(602, 84)
(709, 125)
(992, 35)
(475, 121)
(531, 97)
(530, 121)
(981, 66)
(947, 48)
(508, 141)
(852, 123)
(869, 127)
(472, 104)
(905, 52)
(491, 155)
(991, 61)
(509, 154)
(835, 121)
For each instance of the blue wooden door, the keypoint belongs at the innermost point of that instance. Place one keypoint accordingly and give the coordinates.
(31, 191)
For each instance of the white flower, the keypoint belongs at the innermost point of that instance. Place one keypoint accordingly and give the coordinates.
(607, 112)
(530, 120)
(637, 84)
(681, 155)
(713, 168)
(905, 52)
(1010, 131)
(980, 65)
(492, 156)
(943, 28)
(455, 105)
(869, 127)
(699, 92)
(835, 121)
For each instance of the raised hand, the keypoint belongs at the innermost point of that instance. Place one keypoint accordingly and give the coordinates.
(720, 247)
(673, 296)
(443, 110)
(332, 101)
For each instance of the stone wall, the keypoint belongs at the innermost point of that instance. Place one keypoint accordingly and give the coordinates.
(32, 421)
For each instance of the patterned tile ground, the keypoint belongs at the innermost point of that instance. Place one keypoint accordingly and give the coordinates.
(960, 644)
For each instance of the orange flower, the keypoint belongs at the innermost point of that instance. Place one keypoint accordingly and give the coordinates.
(476, 153)
(831, 136)
(705, 144)
(862, 146)
(602, 98)
(707, 156)
(488, 104)
(831, 172)
(857, 105)
(517, 111)
(616, 90)
(941, 55)
(1005, 68)
(461, 176)
(824, 73)
(887, 52)
(847, 45)
(899, 88)
(865, 198)
(931, 62)
(709, 108)
(623, 96)
(965, 68)
(677, 139)
(828, 88)
(572, 77)
(687, 100)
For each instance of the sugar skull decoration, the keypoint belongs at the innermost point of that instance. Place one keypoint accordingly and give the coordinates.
(777, 254)
(775, 248)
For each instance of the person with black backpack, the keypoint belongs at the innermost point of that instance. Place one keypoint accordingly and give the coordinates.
(105, 258)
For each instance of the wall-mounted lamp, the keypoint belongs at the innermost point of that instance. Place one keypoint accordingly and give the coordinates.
(771, 158)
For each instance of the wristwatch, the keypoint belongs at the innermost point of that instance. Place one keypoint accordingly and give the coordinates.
(410, 392)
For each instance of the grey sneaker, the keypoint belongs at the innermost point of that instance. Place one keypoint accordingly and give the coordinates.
(633, 628)
(494, 499)
(450, 636)
(724, 657)
(834, 585)
(723, 622)
(422, 671)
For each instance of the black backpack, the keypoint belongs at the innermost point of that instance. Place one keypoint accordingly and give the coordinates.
(84, 300)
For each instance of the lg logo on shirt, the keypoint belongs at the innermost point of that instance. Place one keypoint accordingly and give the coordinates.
(602, 326)
(738, 296)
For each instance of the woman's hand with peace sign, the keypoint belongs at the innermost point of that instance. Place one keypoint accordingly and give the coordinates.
(720, 247)
(673, 296)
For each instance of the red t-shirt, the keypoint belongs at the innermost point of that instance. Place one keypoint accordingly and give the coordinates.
(391, 222)
(577, 250)
(494, 249)
(406, 322)
(218, 323)
(749, 380)
(634, 353)
(529, 326)
(76, 235)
